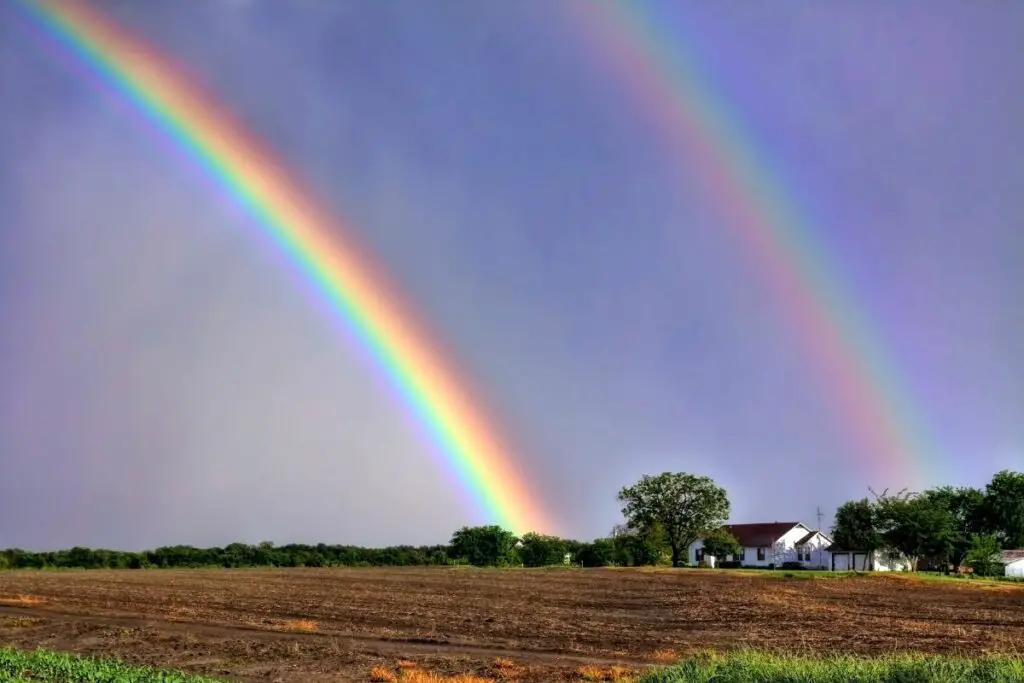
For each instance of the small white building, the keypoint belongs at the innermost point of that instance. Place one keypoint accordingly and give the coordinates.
(1014, 562)
(768, 543)
(863, 561)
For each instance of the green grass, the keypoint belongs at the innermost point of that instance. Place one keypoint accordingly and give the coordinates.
(52, 667)
(760, 667)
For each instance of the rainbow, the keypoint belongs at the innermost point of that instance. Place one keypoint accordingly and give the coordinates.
(666, 85)
(321, 246)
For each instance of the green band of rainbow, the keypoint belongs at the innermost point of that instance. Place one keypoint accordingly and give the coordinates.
(325, 251)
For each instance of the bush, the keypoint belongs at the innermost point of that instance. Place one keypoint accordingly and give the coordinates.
(792, 565)
(730, 564)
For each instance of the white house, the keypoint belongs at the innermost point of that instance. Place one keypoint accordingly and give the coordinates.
(769, 543)
(1014, 561)
(862, 560)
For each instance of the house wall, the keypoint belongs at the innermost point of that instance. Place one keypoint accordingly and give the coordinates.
(859, 561)
(819, 556)
(1015, 568)
(788, 555)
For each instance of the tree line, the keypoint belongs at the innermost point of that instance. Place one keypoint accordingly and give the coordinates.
(663, 515)
(942, 528)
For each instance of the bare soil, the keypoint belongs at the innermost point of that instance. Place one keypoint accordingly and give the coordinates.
(338, 624)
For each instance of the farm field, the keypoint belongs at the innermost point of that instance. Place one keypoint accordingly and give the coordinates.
(541, 625)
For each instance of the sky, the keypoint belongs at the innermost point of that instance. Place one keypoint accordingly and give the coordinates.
(169, 377)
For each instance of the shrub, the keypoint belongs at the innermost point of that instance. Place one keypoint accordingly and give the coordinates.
(730, 564)
(792, 565)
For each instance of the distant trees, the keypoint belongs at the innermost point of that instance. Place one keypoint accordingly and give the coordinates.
(664, 515)
(538, 550)
(686, 506)
(485, 546)
(943, 526)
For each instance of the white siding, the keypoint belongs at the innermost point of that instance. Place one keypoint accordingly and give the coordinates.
(787, 554)
(1015, 568)
(859, 561)
(819, 556)
(891, 562)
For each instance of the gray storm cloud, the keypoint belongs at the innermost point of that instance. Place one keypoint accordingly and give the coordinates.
(177, 380)
(167, 377)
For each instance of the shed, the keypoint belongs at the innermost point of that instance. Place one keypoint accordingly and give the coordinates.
(1014, 562)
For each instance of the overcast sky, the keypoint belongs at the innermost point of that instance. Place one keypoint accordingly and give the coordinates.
(166, 376)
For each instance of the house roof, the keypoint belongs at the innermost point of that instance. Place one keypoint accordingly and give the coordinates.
(811, 534)
(1013, 555)
(760, 535)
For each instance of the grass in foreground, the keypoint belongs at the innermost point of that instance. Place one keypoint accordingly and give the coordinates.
(760, 667)
(54, 667)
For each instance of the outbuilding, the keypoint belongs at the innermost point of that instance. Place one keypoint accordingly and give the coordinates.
(844, 559)
(1013, 560)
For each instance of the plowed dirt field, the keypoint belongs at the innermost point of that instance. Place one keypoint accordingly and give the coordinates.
(337, 624)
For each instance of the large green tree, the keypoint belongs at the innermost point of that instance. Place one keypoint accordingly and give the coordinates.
(484, 546)
(542, 551)
(856, 527)
(966, 504)
(686, 506)
(1004, 508)
(915, 525)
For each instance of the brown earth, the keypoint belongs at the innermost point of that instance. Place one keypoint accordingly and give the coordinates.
(531, 625)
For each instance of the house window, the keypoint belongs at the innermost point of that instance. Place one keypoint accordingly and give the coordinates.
(760, 554)
(700, 554)
(742, 556)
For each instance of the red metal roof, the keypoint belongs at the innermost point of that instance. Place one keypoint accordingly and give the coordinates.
(1013, 555)
(763, 535)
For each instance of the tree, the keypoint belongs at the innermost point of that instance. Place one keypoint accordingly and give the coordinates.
(542, 551)
(855, 526)
(1003, 509)
(915, 525)
(720, 543)
(484, 546)
(966, 504)
(600, 553)
(685, 505)
(983, 556)
(639, 547)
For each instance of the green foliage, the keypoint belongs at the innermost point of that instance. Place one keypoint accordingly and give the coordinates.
(640, 547)
(685, 505)
(966, 504)
(983, 557)
(600, 553)
(855, 526)
(485, 546)
(761, 667)
(721, 543)
(1003, 508)
(51, 666)
(542, 551)
(234, 555)
(915, 525)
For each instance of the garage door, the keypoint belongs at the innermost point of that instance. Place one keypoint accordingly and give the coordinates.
(841, 562)
(1015, 569)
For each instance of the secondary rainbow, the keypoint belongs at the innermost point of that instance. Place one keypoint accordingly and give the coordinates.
(666, 85)
(324, 249)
